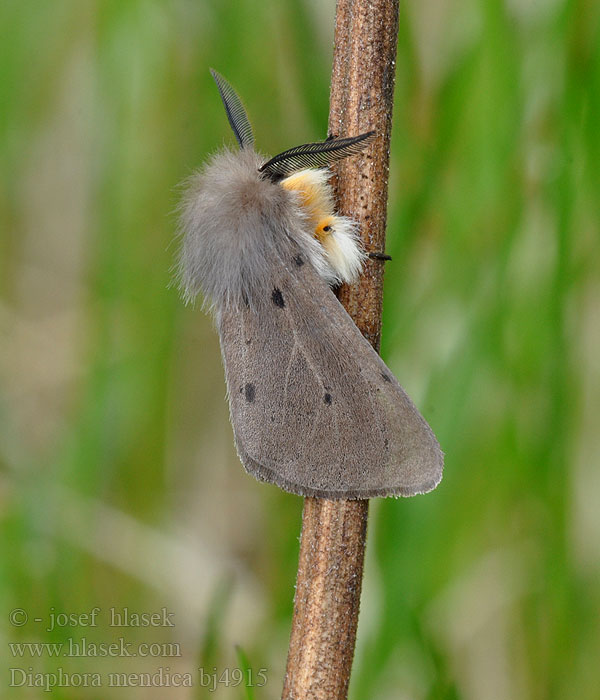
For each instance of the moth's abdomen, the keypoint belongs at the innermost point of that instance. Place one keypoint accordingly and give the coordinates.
(237, 227)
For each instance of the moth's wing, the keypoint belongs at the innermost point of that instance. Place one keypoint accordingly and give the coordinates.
(314, 409)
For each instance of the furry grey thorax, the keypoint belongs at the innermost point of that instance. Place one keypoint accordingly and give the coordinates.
(237, 225)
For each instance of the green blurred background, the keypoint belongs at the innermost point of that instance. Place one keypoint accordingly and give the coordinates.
(119, 483)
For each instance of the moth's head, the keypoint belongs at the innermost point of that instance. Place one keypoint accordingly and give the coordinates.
(309, 155)
(324, 227)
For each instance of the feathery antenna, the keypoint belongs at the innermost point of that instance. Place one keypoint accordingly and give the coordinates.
(314, 155)
(238, 119)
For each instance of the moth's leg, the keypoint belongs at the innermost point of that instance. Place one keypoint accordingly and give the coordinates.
(380, 256)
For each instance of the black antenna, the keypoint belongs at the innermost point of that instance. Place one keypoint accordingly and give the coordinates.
(238, 119)
(314, 155)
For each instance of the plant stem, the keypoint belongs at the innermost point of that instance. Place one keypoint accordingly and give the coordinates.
(327, 599)
(332, 547)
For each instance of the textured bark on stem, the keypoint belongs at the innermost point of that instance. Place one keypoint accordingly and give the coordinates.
(333, 538)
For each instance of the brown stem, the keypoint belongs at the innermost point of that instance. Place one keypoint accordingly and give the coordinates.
(333, 538)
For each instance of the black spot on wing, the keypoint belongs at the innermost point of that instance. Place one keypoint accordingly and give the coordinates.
(277, 298)
(250, 392)
(327, 399)
(299, 260)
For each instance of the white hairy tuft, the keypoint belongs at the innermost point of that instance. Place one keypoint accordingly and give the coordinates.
(345, 254)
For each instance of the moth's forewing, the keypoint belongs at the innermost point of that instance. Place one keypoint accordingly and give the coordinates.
(313, 407)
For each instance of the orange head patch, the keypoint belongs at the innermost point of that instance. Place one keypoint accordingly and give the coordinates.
(324, 228)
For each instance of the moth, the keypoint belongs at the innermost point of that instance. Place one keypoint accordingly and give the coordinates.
(313, 407)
